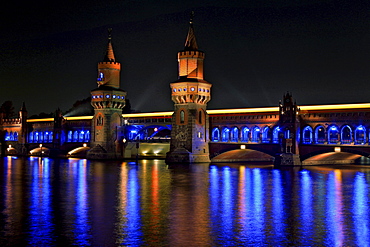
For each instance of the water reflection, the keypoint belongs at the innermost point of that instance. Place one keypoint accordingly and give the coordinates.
(78, 202)
(40, 217)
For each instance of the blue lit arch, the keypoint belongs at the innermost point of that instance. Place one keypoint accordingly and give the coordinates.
(245, 134)
(256, 134)
(333, 134)
(360, 135)
(320, 135)
(216, 134)
(234, 134)
(346, 134)
(15, 136)
(30, 137)
(225, 134)
(266, 135)
(275, 134)
(7, 136)
(307, 135)
(69, 136)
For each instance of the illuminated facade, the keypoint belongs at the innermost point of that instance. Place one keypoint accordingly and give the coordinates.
(190, 93)
(190, 133)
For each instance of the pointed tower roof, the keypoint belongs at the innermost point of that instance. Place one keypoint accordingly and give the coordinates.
(109, 55)
(191, 42)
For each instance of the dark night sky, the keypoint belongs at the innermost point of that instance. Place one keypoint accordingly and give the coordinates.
(255, 51)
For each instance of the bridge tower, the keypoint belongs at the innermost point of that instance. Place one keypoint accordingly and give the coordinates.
(289, 122)
(108, 100)
(190, 94)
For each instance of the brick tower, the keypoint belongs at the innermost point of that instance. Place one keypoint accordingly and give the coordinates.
(190, 93)
(289, 122)
(108, 100)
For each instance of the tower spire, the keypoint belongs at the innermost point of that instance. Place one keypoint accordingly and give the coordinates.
(191, 42)
(109, 55)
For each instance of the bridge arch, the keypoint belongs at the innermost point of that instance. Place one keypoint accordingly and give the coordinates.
(215, 137)
(360, 135)
(346, 134)
(320, 134)
(245, 134)
(333, 134)
(266, 134)
(234, 134)
(225, 134)
(275, 134)
(307, 135)
(149, 132)
(256, 134)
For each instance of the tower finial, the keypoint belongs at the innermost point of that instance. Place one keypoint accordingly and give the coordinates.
(191, 17)
(110, 33)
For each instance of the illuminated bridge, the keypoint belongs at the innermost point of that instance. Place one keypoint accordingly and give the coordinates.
(246, 134)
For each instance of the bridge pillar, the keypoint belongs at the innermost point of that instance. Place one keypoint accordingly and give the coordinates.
(289, 122)
(190, 93)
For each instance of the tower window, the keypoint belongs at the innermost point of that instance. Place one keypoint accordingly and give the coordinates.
(99, 121)
(182, 117)
(174, 90)
(192, 89)
(114, 96)
(200, 117)
(107, 96)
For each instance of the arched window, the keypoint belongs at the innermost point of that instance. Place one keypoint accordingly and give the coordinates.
(51, 136)
(11, 136)
(30, 137)
(7, 136)
(46, 136)
(215, 135)
(75, 136)
(81, 136)
(87, 136)
(182, 116)
(62, 137)
(275, 134)
(245, 134)
(15, 136)
(256, 134)
(234, 135)
(41, 136)
(287, 134)
(36, 137)
(333, 135)
(320, 135)
(225, 134)
(69, 137)
(346, 135)
(360, 135)
(307, 135)
(99, 121)
(266, 135)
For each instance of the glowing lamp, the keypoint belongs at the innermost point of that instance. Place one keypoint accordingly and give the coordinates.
(242, 146)
(337, 149)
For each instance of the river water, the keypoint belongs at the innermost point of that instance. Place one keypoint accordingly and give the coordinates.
(66, 202)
